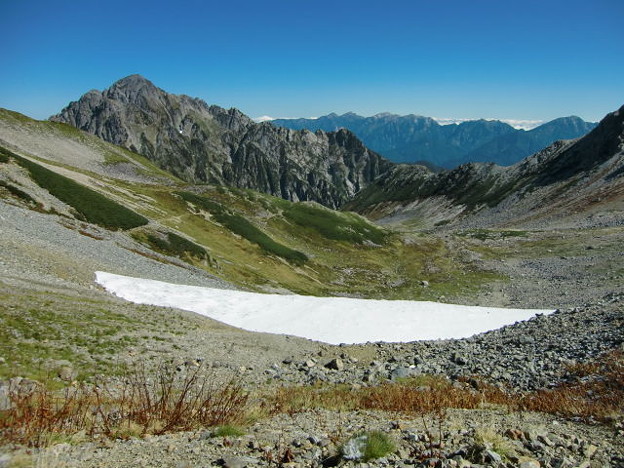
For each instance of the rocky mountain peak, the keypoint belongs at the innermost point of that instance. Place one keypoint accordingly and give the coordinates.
(201, 143)
(135, 81)
(132, 88)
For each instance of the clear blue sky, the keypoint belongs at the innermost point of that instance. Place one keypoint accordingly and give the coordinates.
(293, 58)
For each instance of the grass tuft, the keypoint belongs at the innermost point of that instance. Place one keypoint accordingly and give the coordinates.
(367, 446)
(228, 430)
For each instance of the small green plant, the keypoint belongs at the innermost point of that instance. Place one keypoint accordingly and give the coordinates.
(488, 438)
(228, 430)
(367, 446)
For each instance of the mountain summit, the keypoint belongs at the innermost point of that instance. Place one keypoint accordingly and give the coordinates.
(202, 143)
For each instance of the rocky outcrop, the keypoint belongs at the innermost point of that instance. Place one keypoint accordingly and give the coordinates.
(202, 143)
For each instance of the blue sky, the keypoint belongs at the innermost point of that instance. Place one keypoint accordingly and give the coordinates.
(289, 58)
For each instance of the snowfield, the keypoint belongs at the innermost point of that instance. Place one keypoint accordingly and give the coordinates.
(333, 320)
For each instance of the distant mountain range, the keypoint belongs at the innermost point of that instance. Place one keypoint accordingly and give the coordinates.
(418, 139)
(200, 143)
(571, 180)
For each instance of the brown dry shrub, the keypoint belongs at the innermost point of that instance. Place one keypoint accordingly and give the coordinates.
(594, 391)
(142, 403)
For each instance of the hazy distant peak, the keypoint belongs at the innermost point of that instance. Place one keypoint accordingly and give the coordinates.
(518, 124)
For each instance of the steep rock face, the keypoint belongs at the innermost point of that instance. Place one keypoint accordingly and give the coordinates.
(413, 138)
(202, 143)
(569, 179)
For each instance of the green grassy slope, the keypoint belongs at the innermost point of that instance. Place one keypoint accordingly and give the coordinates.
(251, 239)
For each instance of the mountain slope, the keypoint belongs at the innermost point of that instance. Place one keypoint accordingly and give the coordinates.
(572, 180)
(201, 143)
(250, 239)
(413, 138)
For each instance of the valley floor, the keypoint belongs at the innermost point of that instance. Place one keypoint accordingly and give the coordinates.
(57, 325)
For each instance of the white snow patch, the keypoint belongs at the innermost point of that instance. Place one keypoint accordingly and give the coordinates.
(330, 319)
(268, 118)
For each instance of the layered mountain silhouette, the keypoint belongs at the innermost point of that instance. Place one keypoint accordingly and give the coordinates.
(418, 139)
(202, 143)
(583, 177)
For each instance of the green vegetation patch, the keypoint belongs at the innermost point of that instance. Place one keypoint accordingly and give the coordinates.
(368, 446)
(16, 192)
(228, 430)
(332, 225)
(485, 234)
(173, 244)
(241, 226)
(89, 204)
(39, 332)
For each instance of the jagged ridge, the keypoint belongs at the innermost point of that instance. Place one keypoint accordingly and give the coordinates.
(202, 143)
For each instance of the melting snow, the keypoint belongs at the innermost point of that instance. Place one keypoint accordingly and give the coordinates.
(330, 319)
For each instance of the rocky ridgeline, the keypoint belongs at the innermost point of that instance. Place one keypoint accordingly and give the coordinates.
(568, 179)
(202, 143)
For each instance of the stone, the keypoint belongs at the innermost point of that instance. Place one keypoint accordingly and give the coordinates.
(514, 434)
(459, 359)
(5, 401)
(401, 373)
(354, 448)
(529, 464)
(590, 450)
(66, 373)
(336, 364)
(492, 456)
(5, 460)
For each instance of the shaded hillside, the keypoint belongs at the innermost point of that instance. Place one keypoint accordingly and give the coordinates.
(202, 143)
(565, 179)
